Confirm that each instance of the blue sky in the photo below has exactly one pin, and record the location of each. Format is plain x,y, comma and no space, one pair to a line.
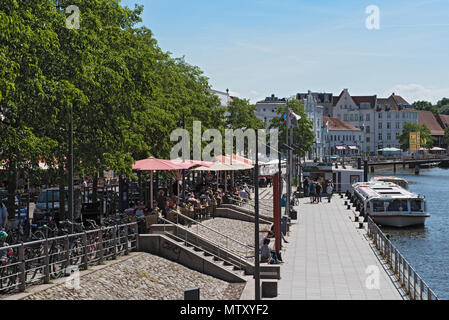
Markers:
259,47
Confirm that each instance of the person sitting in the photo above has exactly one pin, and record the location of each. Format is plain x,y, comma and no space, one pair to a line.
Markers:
162,202
205,196
244,195
265,251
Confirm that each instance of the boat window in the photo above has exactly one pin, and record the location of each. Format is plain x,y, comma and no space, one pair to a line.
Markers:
398,205
416,205
378,206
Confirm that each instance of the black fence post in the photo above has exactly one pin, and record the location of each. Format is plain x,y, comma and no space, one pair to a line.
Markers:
46,263
22,277
67,253
85,257
100,244
126,241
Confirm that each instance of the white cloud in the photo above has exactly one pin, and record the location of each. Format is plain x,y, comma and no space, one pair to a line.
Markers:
414,92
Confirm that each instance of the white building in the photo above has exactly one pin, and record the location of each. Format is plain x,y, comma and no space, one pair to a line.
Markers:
342,138
224,97
266,109
314,113
381,120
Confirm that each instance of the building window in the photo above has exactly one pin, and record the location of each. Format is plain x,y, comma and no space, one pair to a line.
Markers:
397,115
345,117
380,137
380,125
368,117
367,139
388,115
380,115
397,125
388,136
361,117
388,125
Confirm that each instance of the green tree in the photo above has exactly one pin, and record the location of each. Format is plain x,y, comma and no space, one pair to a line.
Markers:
426,139
241,114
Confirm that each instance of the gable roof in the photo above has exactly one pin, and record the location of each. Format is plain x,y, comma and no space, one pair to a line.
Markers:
427,118
443,120
338,124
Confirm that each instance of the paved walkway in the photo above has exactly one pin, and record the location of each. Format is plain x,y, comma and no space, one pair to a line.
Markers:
327,258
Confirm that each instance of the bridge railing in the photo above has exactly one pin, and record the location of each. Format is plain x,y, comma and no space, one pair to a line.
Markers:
411,281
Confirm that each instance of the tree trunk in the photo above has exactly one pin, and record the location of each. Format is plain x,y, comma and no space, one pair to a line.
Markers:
95,188
12,189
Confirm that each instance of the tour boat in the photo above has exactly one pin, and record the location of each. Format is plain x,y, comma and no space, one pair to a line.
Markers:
389,204
399,181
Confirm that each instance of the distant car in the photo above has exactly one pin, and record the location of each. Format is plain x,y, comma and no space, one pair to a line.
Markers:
23,211
48,200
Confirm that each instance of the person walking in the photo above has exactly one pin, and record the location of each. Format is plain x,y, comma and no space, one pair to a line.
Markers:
306,187
3,215
312,191
329,191
318,192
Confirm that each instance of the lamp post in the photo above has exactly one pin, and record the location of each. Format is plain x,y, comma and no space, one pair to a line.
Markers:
256,218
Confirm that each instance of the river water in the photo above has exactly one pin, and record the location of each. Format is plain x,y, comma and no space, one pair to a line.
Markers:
427,248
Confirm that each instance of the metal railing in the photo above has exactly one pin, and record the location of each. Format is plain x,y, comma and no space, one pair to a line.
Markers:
414,285
41,260
227,239
243,251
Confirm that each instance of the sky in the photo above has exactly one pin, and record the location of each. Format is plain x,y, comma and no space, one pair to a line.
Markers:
256,48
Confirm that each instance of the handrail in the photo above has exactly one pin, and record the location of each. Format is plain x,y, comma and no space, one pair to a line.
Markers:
221,234
239,263
398,262
53,256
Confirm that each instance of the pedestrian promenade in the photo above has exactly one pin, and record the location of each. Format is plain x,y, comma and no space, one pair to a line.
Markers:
327,258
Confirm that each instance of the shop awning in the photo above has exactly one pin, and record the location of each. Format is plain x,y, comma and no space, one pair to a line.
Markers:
340,148
352,147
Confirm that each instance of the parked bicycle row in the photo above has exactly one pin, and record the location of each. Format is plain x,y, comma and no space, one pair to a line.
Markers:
50,258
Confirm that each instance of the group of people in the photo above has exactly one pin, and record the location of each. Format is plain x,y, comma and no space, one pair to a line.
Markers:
316,189
267,253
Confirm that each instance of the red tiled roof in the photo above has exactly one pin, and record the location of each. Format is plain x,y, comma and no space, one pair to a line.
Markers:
338,124
427,118
394,101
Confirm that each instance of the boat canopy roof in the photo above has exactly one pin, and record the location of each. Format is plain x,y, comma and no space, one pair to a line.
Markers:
383,191
390,178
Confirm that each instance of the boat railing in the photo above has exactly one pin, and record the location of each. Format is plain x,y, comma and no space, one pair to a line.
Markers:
411,281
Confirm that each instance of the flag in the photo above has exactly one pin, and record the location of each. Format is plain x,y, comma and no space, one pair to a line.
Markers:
294,119
326,127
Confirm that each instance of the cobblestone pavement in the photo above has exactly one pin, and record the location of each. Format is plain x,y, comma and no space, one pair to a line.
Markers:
142,277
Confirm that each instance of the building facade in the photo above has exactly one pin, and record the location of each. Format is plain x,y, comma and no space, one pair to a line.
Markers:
342,138
381,120
266,109
323,99
314,113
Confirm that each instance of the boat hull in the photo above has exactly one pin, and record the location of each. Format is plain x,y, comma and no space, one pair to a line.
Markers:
400,221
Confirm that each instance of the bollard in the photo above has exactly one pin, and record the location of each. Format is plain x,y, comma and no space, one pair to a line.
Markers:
192,294
346,203
356,219
360,225
349,207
